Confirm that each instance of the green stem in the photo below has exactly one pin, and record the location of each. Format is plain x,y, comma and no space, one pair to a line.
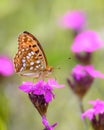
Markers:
82,110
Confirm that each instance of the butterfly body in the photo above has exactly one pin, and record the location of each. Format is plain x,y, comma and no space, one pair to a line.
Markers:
30,59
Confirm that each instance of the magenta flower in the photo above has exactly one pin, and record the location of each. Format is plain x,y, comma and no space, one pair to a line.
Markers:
47,125
80,71
40,93
83,77
72,20
98,108
95,114
87,41
41,88
6,66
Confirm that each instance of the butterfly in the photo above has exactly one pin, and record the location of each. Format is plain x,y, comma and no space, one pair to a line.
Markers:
30,60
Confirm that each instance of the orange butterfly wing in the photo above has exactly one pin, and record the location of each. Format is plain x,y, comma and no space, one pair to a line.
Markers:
30,58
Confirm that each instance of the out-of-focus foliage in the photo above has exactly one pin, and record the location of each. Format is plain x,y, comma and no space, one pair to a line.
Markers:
4,111
40,18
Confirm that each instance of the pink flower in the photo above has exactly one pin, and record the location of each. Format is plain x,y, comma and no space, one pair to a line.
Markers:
87,41
41,88
96,114
40,93
98,108
89,113
72,20
82,79
6,66
80,71
47,125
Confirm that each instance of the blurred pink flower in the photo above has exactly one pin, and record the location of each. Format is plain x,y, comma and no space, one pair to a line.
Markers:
41,88
47,125
80,71
6,66
72,20
87,41
98,108
98,105
82,79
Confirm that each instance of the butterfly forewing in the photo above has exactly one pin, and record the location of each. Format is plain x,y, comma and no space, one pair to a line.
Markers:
30,57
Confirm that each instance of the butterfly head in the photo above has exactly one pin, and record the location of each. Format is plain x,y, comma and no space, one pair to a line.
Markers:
49,69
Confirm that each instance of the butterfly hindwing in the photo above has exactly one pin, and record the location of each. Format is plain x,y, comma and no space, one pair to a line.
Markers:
30,60
30,55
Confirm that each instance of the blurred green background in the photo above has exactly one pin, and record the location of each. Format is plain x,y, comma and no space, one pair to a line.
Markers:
39,17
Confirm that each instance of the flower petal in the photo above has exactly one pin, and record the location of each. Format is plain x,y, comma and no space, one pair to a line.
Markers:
94,73
53,83
87,41
72,20
48,96
6,66
26,87
89,113
47,125
38,88
81,71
